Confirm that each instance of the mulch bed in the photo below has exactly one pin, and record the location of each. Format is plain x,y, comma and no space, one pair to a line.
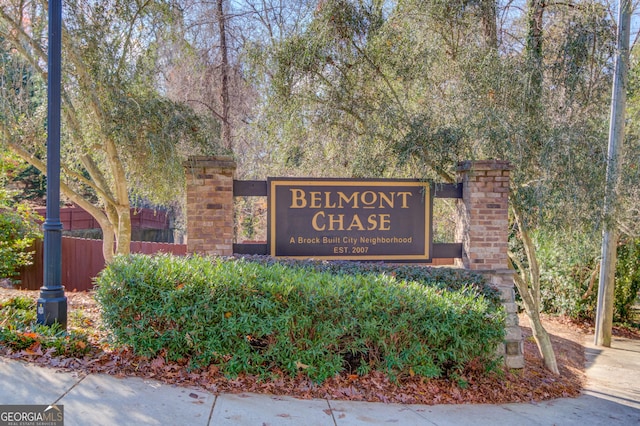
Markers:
532,383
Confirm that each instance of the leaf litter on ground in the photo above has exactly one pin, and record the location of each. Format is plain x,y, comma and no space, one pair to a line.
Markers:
531,384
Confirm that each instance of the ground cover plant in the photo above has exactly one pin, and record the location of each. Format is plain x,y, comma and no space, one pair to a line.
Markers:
19,331
246,317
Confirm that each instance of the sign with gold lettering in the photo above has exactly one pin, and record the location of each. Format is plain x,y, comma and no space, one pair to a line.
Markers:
363,219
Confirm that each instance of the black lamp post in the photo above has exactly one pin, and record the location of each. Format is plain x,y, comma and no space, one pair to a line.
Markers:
52,304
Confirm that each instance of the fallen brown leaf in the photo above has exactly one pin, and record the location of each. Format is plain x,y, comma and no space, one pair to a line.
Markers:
533,383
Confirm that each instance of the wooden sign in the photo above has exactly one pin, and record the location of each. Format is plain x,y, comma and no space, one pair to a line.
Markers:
350,219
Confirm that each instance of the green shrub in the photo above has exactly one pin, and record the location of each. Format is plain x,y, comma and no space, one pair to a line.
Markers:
451,279
250,317
569,275
627,279
18,230
19,331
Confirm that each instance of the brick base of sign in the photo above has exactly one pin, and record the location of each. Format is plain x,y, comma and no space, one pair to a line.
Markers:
210,227
483,214
512,350
482,227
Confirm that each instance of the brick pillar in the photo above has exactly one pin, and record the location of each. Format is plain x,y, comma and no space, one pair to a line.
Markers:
210,205
483,214
483,229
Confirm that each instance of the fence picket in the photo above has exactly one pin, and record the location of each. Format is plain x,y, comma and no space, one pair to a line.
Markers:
82,261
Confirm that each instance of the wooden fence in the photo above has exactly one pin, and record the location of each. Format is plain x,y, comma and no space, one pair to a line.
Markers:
82,260
74,218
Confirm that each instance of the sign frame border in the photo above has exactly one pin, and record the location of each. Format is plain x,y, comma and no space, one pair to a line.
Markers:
274,182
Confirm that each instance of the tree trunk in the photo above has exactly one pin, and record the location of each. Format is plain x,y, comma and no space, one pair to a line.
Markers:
123,233
543,341
606,290
535,11
489,26
528,279
107,218
224,70
539,332
528,284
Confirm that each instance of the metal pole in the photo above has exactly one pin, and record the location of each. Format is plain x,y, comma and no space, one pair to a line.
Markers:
52,304
606,294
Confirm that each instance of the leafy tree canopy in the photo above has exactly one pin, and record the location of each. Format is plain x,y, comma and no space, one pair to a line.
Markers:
122,139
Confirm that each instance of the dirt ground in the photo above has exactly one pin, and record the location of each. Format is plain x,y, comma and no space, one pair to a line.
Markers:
533,383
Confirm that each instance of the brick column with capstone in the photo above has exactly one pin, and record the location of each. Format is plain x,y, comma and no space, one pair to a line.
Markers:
210,204
483,228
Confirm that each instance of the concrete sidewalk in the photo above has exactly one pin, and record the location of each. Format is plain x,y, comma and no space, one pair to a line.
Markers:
612,397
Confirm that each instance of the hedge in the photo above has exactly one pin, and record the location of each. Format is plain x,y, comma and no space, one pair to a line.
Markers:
250,317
